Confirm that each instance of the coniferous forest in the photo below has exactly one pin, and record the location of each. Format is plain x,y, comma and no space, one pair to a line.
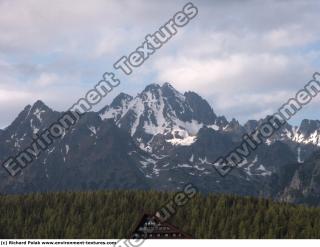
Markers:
114,214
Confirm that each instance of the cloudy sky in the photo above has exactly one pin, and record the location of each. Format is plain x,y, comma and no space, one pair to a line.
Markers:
245,57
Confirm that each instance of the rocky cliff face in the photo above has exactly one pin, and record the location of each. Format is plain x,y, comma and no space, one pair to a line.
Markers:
305,184
161,139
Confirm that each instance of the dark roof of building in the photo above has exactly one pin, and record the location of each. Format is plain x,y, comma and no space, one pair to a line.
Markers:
150,226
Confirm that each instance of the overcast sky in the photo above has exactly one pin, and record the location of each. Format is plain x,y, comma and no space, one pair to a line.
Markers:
246,57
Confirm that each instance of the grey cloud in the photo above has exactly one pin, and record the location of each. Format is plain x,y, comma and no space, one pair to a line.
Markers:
255,48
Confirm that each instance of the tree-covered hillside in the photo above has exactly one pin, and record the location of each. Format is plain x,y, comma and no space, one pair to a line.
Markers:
114,214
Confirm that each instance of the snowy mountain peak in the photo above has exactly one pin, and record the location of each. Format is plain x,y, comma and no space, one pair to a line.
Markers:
151,88
38,110
307,133
161,110
167,84
121,100
308,127
39,104
32,113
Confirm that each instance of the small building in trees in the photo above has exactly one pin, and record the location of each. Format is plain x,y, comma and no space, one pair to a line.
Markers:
151,227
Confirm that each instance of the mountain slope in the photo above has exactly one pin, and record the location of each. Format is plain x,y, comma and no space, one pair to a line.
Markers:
160,139
91,155
162,112
305,184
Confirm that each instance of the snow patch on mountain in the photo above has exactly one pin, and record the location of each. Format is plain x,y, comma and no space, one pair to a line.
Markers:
38,112
93,130
161,110
299,160
35,130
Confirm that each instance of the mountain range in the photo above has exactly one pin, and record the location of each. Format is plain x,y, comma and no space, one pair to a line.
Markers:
162,139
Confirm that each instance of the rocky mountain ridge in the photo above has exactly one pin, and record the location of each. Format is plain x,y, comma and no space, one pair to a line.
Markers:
159,139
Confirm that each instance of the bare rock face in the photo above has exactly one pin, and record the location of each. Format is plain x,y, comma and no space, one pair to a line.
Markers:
305,184
162,139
